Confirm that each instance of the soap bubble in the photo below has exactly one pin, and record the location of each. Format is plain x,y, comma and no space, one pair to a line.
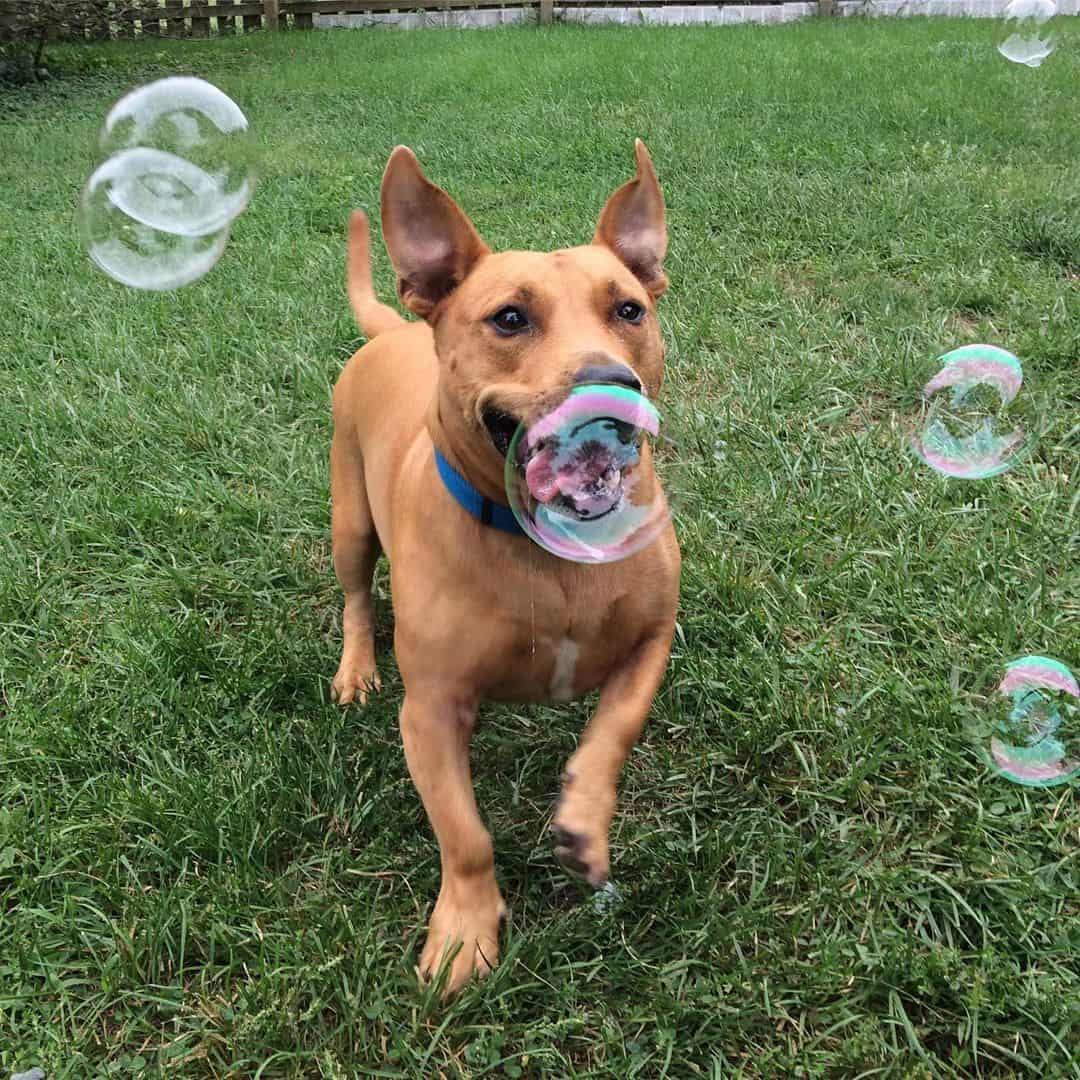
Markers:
178,170
970,425
132,250
167,192
1031,734
606,899
579,478
189,121
1029,40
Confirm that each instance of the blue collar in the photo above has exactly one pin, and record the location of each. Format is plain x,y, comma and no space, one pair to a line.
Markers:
479,506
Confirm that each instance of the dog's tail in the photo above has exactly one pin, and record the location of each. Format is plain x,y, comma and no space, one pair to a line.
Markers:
372,317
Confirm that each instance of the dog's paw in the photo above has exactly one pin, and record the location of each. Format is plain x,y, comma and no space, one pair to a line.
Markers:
580,832
353,682
463,933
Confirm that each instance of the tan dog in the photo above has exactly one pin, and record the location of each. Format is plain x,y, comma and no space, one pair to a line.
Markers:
481,614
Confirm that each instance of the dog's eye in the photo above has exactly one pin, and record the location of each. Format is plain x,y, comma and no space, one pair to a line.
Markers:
630,311
510,320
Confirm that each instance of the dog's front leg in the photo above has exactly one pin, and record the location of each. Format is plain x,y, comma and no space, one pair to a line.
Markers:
587,802
436,734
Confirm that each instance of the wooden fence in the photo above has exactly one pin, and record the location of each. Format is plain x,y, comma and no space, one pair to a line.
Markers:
97,19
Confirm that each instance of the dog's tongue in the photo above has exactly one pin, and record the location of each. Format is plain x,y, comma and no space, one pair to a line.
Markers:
590,477
541,477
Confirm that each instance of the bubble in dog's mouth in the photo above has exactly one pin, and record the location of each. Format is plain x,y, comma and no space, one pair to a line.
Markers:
574,475
583,477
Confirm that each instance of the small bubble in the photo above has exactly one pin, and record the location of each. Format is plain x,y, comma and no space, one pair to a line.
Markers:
1030,40
971,426
1031,733
606,898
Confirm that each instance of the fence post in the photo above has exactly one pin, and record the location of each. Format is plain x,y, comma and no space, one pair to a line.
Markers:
174,21
546,11
270,10
200,18
825,7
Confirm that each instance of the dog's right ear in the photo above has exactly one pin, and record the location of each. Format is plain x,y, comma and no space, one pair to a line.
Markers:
431,242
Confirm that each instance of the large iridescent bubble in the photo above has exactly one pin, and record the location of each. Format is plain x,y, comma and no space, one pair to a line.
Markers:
579,478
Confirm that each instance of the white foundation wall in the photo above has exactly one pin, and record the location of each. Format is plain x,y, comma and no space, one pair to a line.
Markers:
670,15
687,16
673,15
978,9
461,19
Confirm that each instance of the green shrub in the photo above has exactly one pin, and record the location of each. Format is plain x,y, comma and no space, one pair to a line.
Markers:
27,26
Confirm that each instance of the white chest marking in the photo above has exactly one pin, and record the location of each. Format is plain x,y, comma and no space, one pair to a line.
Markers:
562,678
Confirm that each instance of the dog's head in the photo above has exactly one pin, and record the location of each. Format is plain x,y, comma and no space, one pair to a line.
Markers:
515,331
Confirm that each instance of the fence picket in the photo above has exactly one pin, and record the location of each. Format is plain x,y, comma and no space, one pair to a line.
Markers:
200,18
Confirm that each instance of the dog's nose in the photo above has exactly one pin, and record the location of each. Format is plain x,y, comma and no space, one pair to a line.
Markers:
608,373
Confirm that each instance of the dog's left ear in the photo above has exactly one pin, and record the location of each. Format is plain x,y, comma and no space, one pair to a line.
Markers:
632,225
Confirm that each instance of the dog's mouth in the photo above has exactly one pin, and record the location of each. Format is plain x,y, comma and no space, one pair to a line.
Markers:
500,426
587,477
582,468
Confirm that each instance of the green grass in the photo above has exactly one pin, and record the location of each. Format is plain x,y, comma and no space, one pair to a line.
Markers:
208,870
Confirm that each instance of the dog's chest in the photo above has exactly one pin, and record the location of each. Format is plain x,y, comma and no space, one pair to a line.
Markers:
561,651
564,670
549,668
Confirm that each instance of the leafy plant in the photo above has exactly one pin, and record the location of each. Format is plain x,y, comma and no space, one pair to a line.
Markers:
27,27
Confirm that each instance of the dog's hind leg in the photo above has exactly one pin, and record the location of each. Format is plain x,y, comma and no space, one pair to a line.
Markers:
356,550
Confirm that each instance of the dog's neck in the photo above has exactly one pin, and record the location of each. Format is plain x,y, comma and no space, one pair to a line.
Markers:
468,451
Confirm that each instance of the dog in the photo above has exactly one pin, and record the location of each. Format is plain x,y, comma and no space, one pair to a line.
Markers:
423,415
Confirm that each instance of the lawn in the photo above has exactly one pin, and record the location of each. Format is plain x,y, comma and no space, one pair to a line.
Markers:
209,870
